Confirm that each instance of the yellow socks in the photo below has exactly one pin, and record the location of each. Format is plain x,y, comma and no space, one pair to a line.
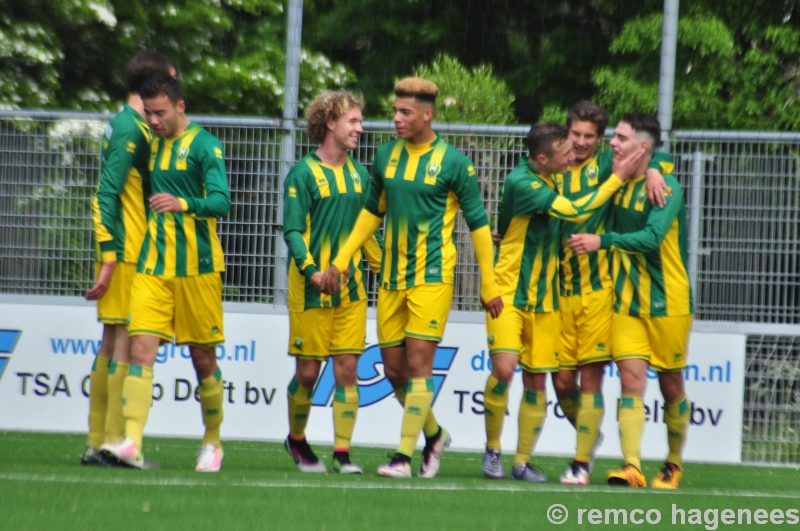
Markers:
570,407
115,423
531,417
419,395
98,401
299,408
590,416
211,403
495,399
431,427
137,397
345,411
677,417
631,428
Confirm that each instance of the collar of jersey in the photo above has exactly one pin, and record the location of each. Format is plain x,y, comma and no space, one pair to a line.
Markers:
577,169
319,161
535,173
421,149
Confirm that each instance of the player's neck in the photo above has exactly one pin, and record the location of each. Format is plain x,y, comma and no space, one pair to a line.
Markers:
331,154
183,123
135,102
425,136
540,169
642,169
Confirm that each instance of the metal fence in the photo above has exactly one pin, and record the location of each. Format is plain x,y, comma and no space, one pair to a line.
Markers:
742,191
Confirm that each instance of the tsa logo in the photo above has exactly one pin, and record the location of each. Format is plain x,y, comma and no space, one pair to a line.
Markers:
373,384
8,340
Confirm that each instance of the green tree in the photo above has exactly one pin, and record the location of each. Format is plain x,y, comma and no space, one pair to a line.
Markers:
465,95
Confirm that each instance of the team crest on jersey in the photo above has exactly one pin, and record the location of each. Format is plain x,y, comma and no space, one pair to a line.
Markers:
356,178
432,170
183,152
591,174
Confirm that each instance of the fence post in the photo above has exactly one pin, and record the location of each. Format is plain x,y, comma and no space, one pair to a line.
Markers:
291,97
666,82
695,219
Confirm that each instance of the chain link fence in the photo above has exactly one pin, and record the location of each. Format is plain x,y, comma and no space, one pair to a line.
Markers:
742,191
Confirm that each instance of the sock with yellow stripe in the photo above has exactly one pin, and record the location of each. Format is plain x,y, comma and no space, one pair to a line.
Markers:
211,389
590,416
677,417
115,423
345,412
419,395
299,408
631,428
495,400
98,401
137,397
531,417
570,407
431,427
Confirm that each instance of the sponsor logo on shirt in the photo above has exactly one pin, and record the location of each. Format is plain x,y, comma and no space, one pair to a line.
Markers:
218,152
292,191
536,185
471,170
130,147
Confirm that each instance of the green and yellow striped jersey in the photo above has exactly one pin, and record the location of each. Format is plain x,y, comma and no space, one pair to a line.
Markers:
321,205
190,167
649,251
591,272
119,206
529,222
419,189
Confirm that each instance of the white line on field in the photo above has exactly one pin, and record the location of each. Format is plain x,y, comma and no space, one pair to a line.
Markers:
482,486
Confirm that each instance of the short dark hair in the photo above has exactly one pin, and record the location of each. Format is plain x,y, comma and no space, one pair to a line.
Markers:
145,65
162,83
643,122
587,111
542,136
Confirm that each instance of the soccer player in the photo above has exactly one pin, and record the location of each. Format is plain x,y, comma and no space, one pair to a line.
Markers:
419,182
653,303
177,289
527,334
586,298
119,209
323,197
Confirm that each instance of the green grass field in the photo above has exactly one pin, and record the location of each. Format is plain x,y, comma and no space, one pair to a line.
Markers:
43,487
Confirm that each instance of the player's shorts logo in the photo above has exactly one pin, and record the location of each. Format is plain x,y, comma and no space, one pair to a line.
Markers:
372,382
183,153
298,342
8,340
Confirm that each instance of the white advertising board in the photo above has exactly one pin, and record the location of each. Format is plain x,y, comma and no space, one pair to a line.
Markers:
46,353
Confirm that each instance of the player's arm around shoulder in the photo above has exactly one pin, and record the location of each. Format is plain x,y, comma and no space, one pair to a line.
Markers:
217,200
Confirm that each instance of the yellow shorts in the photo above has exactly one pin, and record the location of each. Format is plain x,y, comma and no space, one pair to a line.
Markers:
662,341
113,307
534,336
586,328
419,312
188,309
317,333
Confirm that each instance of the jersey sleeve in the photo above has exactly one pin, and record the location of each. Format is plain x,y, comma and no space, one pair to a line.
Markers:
581,209
296,206
217,200
662,162
373,249
465,186
659,222
375,201
118,158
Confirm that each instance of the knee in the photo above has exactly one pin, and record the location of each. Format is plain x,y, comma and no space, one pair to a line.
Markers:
564,384
503,372
672,388
306,376
632,383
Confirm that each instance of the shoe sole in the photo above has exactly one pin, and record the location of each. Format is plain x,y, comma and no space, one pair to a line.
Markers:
393,475
447,442
620,482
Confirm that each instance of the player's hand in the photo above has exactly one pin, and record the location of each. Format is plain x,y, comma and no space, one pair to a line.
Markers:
627,167
164,202
316,281
496,238
330,280
494,307
584,243
657,189
103,282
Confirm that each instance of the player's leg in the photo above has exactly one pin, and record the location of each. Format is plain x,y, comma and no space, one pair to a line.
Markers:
541,337
152,313
670,337
347,344
117,371
310,343
593,330
504,337
98,398
199,324
565,381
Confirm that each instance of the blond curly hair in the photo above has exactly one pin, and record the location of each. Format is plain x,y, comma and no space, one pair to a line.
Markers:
329,106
